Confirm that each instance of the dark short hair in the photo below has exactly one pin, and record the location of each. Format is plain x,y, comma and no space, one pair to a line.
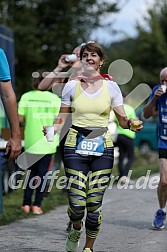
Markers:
36,80
92,47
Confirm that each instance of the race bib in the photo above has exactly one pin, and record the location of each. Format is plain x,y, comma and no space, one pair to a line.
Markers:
93,146
163,131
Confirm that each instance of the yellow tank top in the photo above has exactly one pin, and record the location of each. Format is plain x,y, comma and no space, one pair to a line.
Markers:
90,112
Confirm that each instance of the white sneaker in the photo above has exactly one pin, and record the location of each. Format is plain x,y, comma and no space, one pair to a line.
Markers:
72,241
87,250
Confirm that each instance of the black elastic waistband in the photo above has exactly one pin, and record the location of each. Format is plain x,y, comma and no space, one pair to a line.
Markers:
91,131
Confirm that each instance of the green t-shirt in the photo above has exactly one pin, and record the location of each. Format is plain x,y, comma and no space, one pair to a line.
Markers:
39,109
2,117
130,112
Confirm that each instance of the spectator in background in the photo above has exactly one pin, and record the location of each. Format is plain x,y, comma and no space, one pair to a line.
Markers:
9,101
57,76
37,108
158,103
56,81
125,143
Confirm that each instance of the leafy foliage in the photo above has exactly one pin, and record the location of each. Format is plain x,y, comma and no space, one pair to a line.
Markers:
45,29
151,43
147,52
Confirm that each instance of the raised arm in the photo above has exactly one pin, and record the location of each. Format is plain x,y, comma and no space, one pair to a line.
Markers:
150,108
55,77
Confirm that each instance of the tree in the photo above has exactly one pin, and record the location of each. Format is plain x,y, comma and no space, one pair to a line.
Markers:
151,43
147,52
44,29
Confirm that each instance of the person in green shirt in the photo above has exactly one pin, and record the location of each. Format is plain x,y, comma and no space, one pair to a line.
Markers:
125,143
36,109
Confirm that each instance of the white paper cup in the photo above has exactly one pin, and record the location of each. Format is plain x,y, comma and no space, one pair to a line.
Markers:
71,58
163,88
50,133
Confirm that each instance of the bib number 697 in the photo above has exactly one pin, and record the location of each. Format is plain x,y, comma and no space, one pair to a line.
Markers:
89,145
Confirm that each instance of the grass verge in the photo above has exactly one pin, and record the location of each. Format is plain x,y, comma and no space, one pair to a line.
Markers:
12,204
145,164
